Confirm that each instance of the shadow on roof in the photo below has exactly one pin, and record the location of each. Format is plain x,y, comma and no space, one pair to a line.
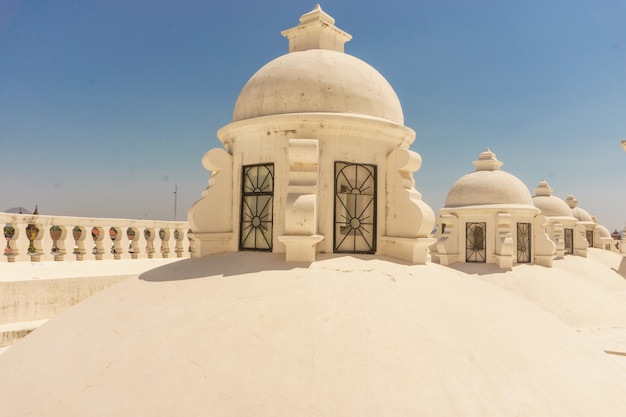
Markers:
224,264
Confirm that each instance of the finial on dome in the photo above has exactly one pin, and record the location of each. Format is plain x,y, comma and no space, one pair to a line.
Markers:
571,201
487,161
316,30
317,14
543,189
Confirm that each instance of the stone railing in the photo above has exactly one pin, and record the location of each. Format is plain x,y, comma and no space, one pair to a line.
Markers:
36,238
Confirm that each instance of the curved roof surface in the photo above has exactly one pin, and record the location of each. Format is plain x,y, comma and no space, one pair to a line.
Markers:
246,334
318,80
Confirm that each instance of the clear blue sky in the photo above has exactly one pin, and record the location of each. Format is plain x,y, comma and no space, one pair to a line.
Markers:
106,105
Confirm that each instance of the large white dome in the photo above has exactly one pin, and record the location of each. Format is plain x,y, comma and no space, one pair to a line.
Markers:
318,80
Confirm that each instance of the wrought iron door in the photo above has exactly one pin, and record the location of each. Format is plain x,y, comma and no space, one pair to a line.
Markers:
257,198
355,208
589,235
475,242
569,241
524,231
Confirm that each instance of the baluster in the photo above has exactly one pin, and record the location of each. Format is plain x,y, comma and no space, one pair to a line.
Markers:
35,235
191,242
68,242
58,234
179,235
149,236
79,234
97,234
134,235
164,235
117,236
12,235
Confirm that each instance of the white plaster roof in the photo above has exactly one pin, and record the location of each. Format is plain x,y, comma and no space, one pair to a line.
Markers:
488,185
318,80
549,204
248,334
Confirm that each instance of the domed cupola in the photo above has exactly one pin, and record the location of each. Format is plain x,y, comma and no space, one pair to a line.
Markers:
489,217
317,76
578,212
550,205
488,185
316,160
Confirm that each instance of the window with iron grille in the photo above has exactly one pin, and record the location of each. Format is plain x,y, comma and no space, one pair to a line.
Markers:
569,241
523,242
257,199
475,242
589,235
355,208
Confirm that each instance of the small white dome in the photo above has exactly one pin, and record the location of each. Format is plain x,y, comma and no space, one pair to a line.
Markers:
318,80
550,205
603,231
488,185
581,214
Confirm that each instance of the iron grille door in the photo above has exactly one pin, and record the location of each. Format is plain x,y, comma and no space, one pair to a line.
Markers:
475,239
569,241
257,198
523,242
589,235
355,208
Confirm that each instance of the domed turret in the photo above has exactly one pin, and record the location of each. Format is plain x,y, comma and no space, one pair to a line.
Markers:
489,217
550,205
320,153
488,185
578,212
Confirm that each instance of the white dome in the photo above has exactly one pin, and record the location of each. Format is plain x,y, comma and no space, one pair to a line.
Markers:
488,185
603,231
550,205
318,80
579,213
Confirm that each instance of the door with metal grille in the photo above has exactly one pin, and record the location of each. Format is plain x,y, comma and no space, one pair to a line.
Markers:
569,241
523,242
589,234
257,199
475,242
355,208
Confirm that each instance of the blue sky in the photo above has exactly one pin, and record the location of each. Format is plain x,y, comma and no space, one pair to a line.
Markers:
105,106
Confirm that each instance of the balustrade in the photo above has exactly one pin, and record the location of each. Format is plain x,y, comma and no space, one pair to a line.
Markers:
37,238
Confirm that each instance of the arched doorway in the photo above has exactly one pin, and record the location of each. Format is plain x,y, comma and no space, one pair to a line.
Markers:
257,200
523,242
355,208
475,239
